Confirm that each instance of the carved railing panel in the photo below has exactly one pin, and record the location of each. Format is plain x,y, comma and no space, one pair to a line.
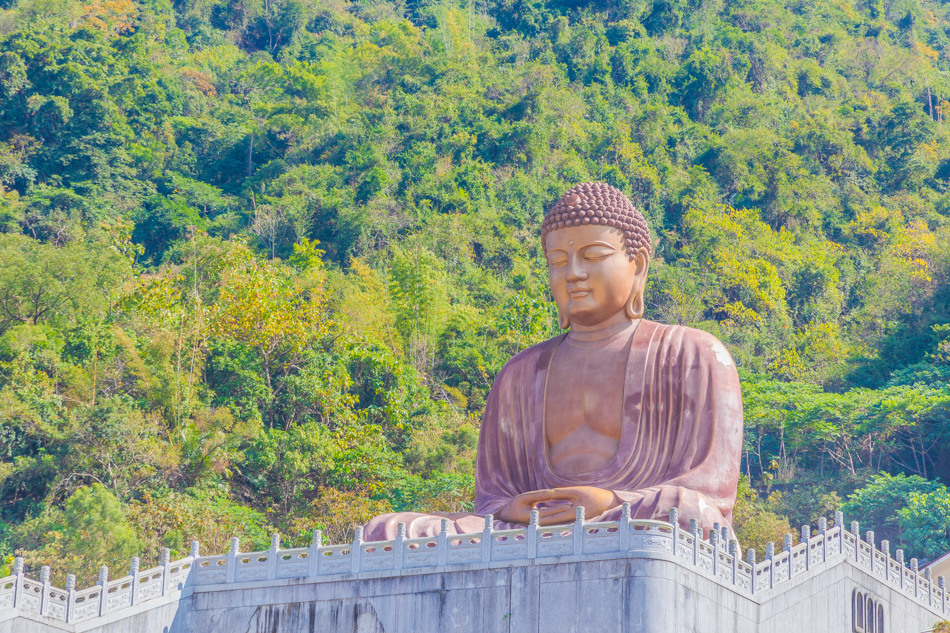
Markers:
655,535
57,601
464,549
31,595
555,541
602,537
119,594
150,584
510,545
211,570
86,604
7,591
293,563
335,559
251,566
377,557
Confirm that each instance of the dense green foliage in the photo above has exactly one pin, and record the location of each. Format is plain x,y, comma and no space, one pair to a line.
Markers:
260,261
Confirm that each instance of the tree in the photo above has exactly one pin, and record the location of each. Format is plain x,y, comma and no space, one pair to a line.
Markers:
882,503
418,291
926,523
42,283
91,530
260,305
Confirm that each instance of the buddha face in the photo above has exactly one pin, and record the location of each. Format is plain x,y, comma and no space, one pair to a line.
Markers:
594,282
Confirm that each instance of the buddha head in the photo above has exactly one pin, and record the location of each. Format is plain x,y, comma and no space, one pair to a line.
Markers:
598,249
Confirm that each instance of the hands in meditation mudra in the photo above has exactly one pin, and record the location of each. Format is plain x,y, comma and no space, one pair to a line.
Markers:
618,409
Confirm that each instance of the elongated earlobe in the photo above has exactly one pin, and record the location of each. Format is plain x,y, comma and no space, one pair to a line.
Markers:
562,319
635,306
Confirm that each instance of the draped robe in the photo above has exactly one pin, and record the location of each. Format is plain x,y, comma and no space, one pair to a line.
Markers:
680,443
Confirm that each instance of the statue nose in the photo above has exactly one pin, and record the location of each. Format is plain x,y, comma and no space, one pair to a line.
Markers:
575,272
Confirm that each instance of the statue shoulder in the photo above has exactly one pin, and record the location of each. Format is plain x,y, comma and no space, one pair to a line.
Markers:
530,359
691,340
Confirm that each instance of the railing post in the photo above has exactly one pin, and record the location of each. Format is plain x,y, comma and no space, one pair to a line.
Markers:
750,558
71,600
356,551
442,551
164,560
578,531
899,555
674,520
193,570
399,546
806,538
272,556
823,530
714,536
104,583
734,553
624,528
18,581
134,572
531,536
886,550
787,547
44,597
313,554
839,523
697,535
770,556
234,552
487,538
856,531
913,568
930,585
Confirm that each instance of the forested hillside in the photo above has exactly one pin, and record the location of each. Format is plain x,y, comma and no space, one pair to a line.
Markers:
260,260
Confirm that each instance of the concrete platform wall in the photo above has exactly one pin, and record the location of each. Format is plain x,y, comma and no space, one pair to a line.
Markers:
623,577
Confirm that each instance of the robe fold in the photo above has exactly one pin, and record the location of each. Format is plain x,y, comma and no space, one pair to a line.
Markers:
680,444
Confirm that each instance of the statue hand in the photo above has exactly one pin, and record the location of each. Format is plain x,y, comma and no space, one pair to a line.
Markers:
558,505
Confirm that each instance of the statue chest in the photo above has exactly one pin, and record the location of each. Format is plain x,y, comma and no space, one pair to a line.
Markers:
583,418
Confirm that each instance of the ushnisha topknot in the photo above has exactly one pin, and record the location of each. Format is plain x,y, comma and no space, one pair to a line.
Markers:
599,203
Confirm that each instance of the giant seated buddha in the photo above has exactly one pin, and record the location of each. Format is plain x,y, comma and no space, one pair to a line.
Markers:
618,409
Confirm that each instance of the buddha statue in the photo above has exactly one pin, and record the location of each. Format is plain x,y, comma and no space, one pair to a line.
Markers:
618,409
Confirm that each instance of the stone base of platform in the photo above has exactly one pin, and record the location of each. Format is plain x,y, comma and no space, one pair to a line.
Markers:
630,595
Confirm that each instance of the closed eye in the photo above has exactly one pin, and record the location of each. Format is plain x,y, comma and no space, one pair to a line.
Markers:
556,259
598,253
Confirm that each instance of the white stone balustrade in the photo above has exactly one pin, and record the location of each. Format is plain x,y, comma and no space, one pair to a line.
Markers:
715,557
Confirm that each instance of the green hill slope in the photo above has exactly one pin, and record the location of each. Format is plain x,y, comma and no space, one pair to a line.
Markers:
262,260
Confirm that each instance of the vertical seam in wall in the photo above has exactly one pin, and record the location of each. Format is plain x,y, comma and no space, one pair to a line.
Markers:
536,569
511,586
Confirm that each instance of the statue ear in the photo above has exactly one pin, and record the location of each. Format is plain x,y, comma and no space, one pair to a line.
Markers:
635,304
